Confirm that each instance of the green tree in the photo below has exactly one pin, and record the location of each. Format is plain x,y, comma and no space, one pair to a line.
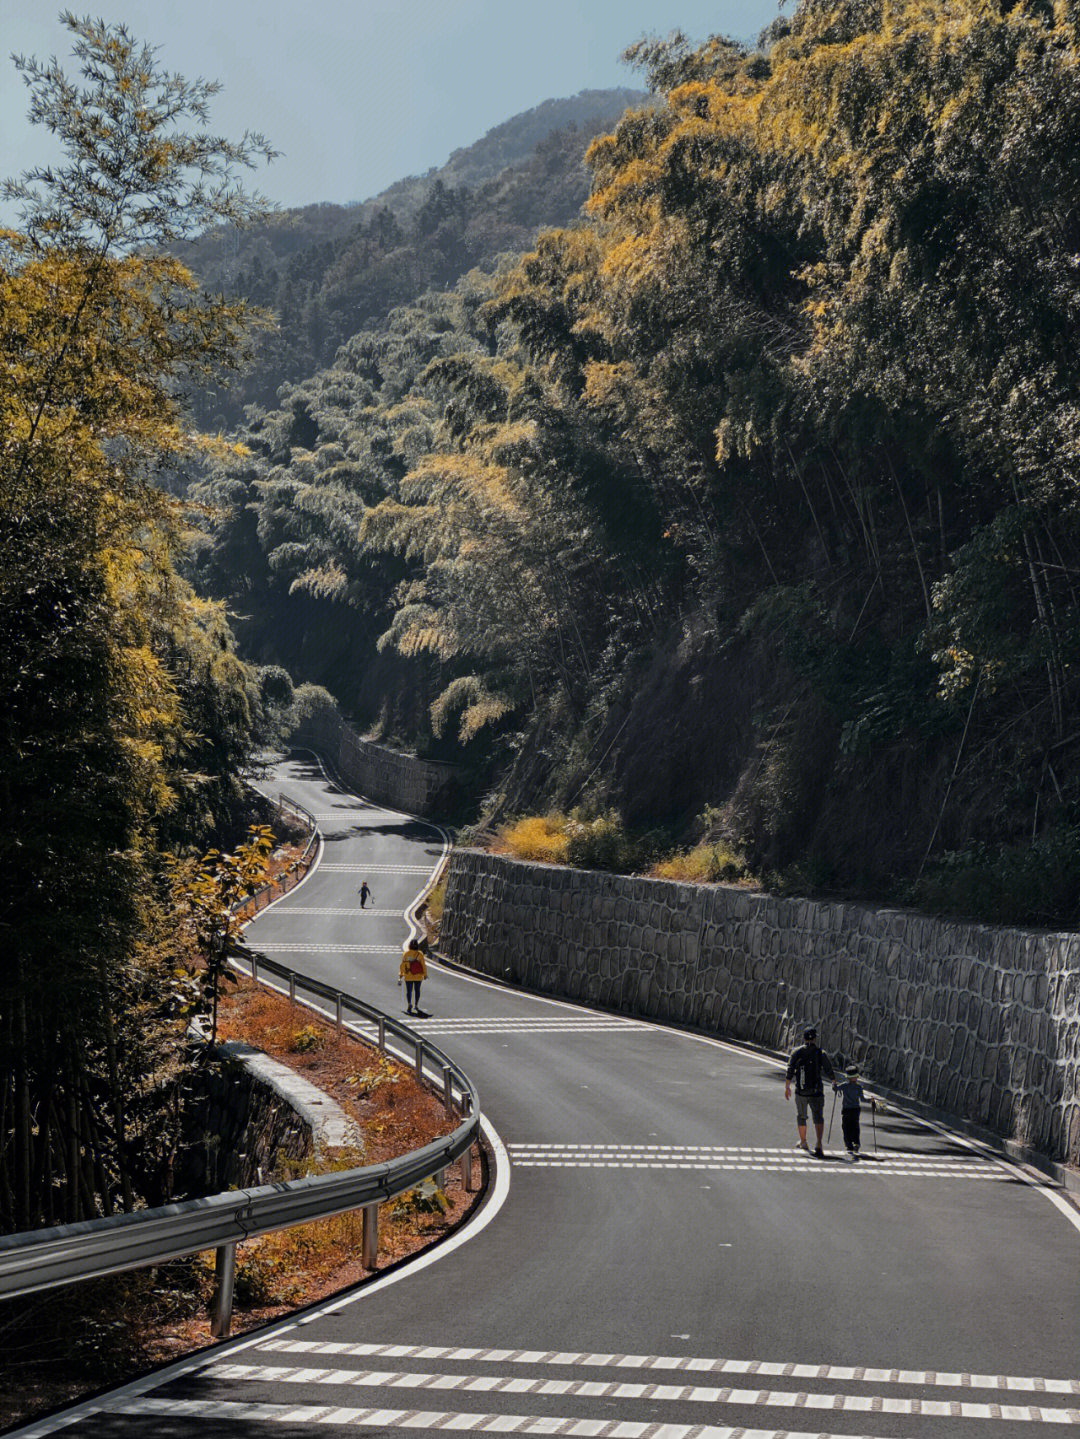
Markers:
101,641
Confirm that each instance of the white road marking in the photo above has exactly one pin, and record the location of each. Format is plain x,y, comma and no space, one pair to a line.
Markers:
273,947
542,1026
764,1166
770,1369
380,868
521,1021
440,1419
622,1389
572,1150
331,909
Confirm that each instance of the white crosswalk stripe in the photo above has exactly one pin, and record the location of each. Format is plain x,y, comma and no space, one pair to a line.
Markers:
326,867
658,1393
343,1415
530,1026
769,1369
709,1158
291,909
630,1403
274,947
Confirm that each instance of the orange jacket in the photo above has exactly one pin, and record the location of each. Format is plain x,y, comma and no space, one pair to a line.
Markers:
412,965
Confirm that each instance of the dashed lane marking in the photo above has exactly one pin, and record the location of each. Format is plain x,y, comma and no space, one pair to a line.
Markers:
529,1026
273,947
441,1419
379,868
766,1166
703,1157
331,909
572,1149
768,1369
659,1393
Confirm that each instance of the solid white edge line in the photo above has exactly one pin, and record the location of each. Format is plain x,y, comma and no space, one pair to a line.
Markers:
148,1382
473,1226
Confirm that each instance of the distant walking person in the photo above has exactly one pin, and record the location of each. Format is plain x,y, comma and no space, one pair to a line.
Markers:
852,1098
806,1067
365,895
413,971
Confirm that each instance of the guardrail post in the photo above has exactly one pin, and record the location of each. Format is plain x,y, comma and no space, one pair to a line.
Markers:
292,986
448,1091
370,1245
339,1015
466,1171
382,1032
224,1282
440,1179
254,970
419,1059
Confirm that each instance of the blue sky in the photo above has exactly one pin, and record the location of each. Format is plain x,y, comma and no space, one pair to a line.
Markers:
359,95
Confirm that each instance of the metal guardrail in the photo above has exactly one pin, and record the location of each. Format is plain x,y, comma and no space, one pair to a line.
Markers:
44,1258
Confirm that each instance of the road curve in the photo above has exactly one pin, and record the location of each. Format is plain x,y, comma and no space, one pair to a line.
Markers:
664,1263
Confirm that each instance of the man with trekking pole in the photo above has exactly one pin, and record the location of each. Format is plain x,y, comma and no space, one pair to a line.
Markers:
806,1067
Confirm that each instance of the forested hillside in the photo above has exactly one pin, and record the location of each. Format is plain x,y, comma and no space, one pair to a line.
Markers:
754,493
329,270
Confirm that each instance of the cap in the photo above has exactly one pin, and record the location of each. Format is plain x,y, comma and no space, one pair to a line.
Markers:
810,1033
852,1070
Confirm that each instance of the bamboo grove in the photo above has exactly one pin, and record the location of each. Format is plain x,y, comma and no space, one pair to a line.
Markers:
752,490
126,713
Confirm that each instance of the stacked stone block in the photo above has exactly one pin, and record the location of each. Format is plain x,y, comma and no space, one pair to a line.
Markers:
400,781
983,1023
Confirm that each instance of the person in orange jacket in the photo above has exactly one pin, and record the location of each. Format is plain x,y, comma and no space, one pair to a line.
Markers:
413,972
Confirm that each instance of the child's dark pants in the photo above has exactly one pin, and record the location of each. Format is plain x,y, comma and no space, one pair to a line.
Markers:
412,1000
849,1118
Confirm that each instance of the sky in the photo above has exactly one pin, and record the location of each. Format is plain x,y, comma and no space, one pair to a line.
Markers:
358,95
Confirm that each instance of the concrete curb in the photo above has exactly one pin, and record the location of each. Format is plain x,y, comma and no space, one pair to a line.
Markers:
331,1127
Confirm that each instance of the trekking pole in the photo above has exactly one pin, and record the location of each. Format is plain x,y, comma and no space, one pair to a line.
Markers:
832,1116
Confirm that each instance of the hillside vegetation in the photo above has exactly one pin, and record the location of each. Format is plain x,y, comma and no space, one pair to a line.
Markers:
327,271
127,714
754,493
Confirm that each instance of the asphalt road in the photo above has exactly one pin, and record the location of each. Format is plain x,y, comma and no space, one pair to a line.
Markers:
656,1261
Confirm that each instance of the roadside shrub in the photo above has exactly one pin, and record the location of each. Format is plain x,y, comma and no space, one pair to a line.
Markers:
704,864
537,837
306,1039
1024,884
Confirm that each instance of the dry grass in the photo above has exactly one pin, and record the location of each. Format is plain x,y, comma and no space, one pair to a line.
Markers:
542,838
62,1344
705,864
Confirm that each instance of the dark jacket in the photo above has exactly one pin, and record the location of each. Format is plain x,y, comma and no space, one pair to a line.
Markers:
806,1067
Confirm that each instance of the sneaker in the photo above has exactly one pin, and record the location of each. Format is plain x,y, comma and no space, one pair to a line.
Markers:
802,1144
819,1153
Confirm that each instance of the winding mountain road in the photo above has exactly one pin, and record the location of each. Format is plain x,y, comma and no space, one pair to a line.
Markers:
655,1260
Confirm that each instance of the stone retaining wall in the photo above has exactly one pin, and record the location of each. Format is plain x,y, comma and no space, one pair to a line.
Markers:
247,1115
980,1022
384,775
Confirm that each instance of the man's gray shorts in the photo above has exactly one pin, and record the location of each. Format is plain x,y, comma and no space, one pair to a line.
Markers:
816,1103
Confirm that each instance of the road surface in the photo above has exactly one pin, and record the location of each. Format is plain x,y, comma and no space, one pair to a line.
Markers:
656,1260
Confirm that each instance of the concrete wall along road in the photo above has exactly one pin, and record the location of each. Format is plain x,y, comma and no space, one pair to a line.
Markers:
979,1022
386,776
246,1114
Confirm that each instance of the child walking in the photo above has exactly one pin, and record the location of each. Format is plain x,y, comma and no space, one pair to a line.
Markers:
852,1098
413,971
